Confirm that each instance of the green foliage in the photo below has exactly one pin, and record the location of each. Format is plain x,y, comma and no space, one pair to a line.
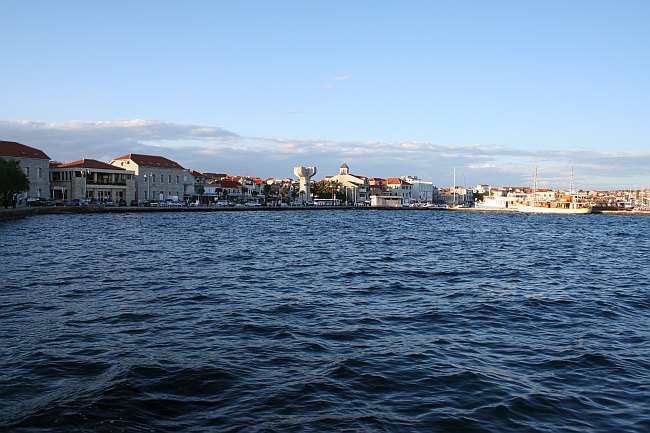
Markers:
266,189
327,189
12,178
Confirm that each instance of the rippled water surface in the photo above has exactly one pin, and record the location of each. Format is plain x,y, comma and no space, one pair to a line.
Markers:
310,321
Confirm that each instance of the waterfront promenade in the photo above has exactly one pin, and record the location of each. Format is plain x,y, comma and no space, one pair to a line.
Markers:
24,211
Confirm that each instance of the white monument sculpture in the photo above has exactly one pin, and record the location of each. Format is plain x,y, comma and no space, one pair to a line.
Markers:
305,174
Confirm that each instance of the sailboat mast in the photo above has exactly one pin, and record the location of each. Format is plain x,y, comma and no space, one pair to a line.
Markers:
535,187
454,185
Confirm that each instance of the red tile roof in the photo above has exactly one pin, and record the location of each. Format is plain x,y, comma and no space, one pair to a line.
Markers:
17,150
209,175
227,183
151,161
88,163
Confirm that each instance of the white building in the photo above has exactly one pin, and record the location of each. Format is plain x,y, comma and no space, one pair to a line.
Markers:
401,188
482,189
355,187
386,201
421,191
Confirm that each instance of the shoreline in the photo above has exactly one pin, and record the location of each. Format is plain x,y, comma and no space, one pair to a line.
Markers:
21,212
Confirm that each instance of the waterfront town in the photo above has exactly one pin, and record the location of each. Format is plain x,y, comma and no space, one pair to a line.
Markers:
156,181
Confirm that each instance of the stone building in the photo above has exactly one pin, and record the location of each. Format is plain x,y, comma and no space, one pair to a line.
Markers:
156,177
89,178
34,162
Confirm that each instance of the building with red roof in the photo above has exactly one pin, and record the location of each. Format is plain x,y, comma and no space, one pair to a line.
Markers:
34,162
156,177
92,179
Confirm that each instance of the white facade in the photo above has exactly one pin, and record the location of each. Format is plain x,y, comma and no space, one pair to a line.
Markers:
421,191
400,188
386,201
355,187
482,189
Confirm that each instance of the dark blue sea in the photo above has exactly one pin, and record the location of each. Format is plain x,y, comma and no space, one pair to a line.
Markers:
325,321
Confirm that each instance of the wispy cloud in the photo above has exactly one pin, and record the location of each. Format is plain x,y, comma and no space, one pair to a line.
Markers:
342,78
210,148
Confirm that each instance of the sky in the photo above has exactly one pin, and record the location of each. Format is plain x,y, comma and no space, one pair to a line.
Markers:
392,88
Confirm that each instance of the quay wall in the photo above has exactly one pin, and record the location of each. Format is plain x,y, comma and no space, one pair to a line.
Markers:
21,212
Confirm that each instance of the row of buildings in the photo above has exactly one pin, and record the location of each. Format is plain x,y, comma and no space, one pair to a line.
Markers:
144,178
137,178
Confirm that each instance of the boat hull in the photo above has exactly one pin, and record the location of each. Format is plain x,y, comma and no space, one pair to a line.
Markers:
553,210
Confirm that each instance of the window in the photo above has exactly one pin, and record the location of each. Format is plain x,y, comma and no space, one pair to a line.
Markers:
27,171
162,178
178,178
145,196
40,172
153,178
169,179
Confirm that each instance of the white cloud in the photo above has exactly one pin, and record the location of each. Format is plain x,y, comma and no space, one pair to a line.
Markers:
209,148
342,78
480,166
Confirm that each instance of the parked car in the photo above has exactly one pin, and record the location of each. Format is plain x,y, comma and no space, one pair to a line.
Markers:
174,203
121,203
135,202
38,201
223,203
253,204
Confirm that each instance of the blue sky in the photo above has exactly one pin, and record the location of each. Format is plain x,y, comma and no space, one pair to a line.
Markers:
392,88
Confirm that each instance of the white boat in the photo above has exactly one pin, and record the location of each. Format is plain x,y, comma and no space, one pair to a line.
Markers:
499,202
556,207
564,204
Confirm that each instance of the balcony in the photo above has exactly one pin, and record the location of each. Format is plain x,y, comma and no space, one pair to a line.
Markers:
106,183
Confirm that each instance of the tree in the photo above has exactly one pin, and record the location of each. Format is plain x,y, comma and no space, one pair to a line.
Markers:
244,191
266,189
320,189
12,178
